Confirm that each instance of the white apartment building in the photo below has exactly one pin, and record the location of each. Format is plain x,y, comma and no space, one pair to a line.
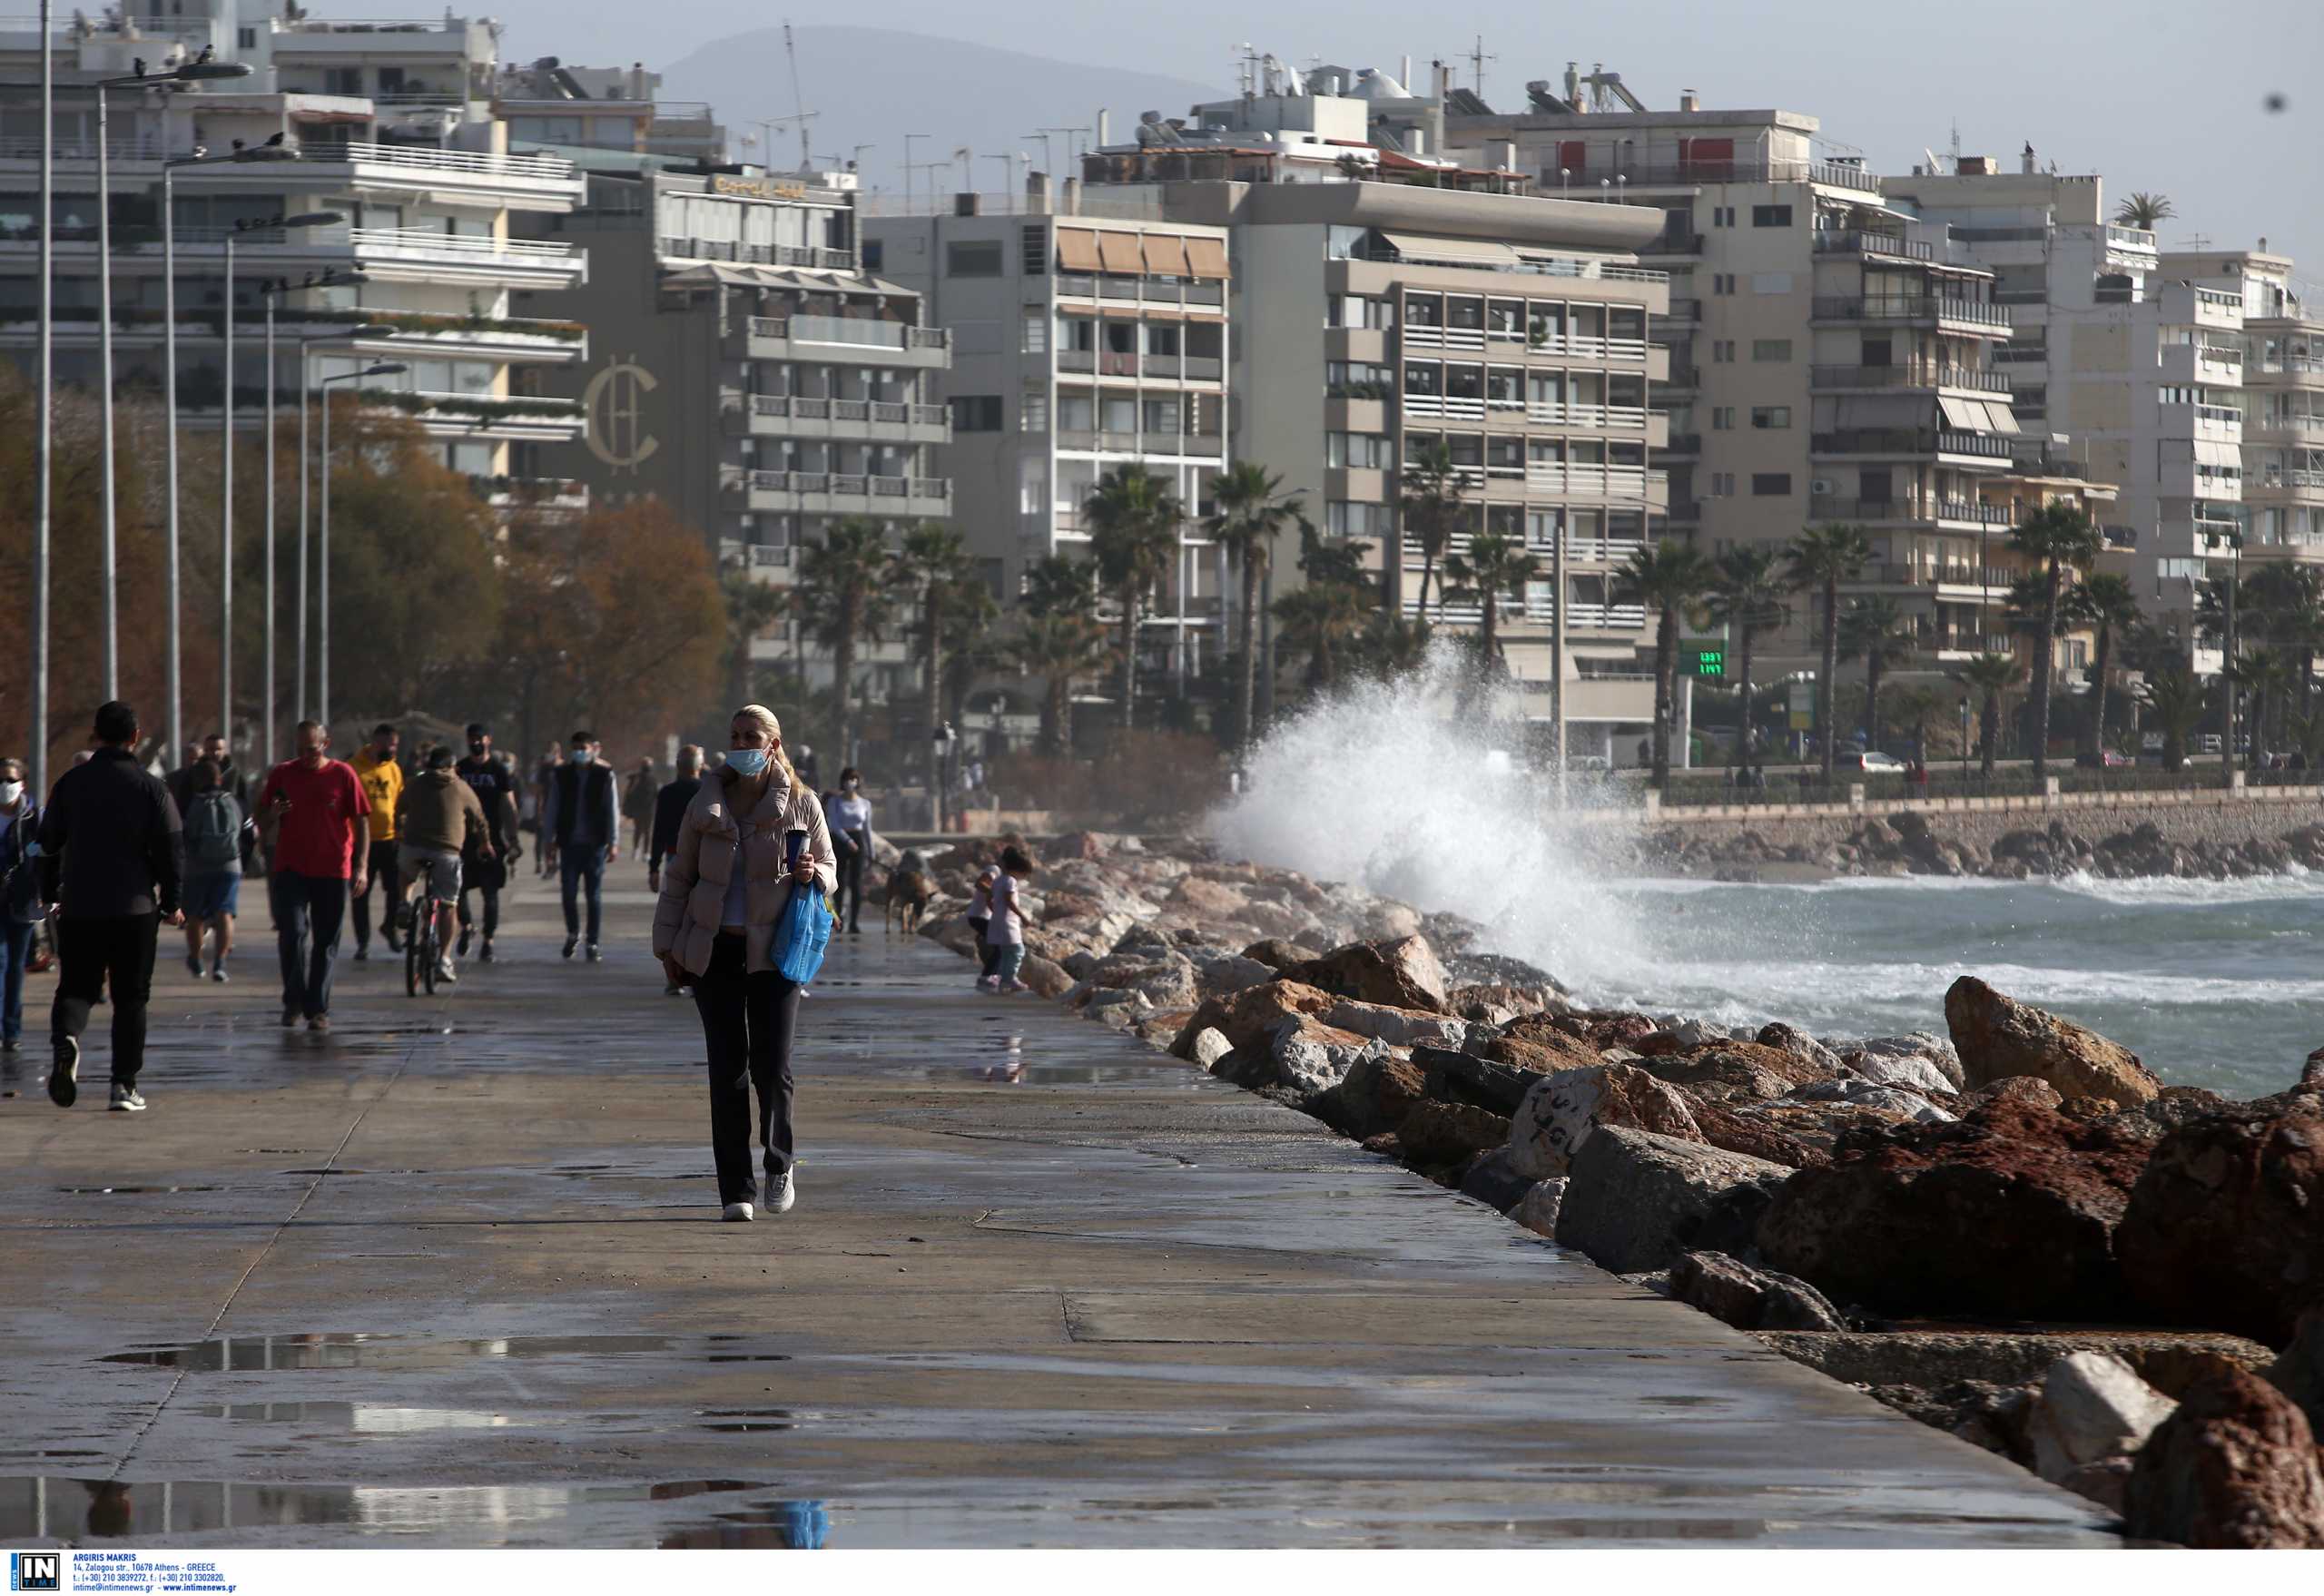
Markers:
2282,399
1829,361
385,124
552,108
1082,344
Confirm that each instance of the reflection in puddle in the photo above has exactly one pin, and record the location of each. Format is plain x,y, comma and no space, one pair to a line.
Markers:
744,1421
241,1353
361,1418
778,1526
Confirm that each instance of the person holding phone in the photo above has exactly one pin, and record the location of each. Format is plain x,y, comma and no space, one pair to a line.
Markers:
753,835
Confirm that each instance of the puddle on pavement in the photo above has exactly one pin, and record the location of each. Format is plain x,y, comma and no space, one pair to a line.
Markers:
131,1190
775,1526
252,1353
744,1421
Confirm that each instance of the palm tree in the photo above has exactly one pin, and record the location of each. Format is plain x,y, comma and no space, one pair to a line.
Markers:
1133,519
2286,604
1825,557
1253,511
971,647
2109,605
2057,535
934,559
2177,699
2269,673
1746,598
1883,634
751,608
1668,576
1494,567
1429,503
1059,647
1391,646
1989,676
841,596
1322,619
1059,585
2143,210
1916,709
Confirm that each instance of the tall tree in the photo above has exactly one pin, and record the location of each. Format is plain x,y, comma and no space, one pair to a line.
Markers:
1825,557
1253,511
1879,629
1322,618
2176,700
1059,647
1990,676
1494,568
752,607
2287,605
1430,508
843,596
1667,577
1916,709
933,560
971,645
2057,535
1059,585
2109,605
1133,519
1746,598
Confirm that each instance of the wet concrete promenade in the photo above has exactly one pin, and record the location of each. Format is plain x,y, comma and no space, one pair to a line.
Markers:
452,1275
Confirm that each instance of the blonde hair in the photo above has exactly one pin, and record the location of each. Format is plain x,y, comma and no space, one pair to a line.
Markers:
760,714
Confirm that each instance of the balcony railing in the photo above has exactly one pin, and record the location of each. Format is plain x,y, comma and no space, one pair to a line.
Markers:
1881,574
417,244
1908,441
1908,377
848,485
1907,307
426,158
1823,507
1600,163
1849,241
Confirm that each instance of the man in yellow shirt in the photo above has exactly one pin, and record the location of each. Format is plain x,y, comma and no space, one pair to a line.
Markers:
382,779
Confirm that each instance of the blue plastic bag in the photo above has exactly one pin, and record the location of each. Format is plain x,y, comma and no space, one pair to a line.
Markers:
803,933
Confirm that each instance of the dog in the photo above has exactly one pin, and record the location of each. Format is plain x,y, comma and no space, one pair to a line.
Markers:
909,890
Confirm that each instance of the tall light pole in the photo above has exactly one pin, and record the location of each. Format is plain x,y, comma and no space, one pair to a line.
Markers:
306,405
47,434
322,575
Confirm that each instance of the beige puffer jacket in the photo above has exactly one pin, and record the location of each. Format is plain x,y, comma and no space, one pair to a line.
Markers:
695,875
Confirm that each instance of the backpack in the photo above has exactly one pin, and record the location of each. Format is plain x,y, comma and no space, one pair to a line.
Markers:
213,841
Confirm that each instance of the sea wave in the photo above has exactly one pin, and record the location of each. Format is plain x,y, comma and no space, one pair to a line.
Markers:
1833,988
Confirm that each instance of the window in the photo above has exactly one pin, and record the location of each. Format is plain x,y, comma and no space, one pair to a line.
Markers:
1771,282
1771,216
1722,484
972,259
977,412
1770,484
1344,518
1771,348
246,38
875,254
1722,418
1771,417
1033,413
1722,351
1363,451
1722,283
1722,215
1036,334
1034,250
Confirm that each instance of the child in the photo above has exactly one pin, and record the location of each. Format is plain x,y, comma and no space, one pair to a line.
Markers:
1005,935
979,920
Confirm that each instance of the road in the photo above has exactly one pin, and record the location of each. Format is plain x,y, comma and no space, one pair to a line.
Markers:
451,1275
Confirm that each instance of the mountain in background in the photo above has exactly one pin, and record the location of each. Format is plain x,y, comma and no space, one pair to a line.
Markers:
872,86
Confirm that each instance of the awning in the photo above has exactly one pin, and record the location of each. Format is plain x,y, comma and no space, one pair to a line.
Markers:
1122,253
1208,317
1076,249
1964,415
2005,419
2226,455
1206,256
1166,255
1879,412
1454,251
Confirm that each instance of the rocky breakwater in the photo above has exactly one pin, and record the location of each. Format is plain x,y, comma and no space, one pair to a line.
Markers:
2012,1230
1909,843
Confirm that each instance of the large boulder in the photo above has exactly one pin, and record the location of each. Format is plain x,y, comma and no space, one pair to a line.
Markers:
2226,1226
1732,1070
1537,1210
1638,1200
2092,1406
2298,1374
1377,1093
1442,1134
1248,1018
1045,976
1277,955
1998,1036
1311,1056
1562,1110
1498,1003
1400,1028
1530,1045
1207,900
2235,1467
1735,1293
2009,1214
1401,974
1225,974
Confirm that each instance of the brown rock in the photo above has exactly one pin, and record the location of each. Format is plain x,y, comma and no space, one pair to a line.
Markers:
1499,1004
1376,1096
1402,974
2311,1075
1206,900
1551,1037
1610,1028
1753,1137
1438,1135
1277,955
1746,1071
1045,976
1997,1036
2028,1090
2009,1214
2235,1468
2226,1226
1249,1019
2298,1374
1541,1058
1564,1108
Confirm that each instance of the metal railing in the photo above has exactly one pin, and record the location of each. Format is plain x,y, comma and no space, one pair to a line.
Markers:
1886,574
418,157
419,244
1908,377
1907,307
1743,169
1849,241
1825,508
1901,441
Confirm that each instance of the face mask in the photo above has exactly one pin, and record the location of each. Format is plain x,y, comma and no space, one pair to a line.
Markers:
750,761
583,756
855,786
477,749
11,790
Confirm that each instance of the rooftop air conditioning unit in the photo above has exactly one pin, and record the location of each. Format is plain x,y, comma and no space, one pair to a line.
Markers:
1823,488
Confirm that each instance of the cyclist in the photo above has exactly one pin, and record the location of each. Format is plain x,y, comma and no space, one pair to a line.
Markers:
485,869
437,816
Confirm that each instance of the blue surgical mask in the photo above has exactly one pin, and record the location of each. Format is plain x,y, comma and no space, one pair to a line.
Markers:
583,756
750,761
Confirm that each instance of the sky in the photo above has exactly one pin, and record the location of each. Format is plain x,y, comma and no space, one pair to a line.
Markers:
2163,96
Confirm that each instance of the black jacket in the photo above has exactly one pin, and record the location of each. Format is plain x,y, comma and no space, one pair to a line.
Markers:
669,814
109,840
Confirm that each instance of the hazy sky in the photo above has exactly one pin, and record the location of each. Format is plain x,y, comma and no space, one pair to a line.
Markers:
2156,94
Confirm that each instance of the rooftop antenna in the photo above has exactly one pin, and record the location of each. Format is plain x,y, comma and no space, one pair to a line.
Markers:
799,102
1477,59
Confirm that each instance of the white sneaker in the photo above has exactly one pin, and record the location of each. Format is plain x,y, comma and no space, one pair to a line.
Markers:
781,1193
736,1213
445,972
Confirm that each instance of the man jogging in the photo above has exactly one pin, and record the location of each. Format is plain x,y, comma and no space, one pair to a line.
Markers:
669,814
109,854
375,766
581,832
486,869
323,836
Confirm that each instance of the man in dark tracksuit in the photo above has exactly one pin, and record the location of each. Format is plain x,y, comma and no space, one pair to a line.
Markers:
109,858
670,814
581,831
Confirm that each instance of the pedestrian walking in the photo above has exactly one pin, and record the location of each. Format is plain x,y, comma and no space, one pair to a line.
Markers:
1006,934
375,766
440,819
752,836
669,814
543,775
980,921
484,870
322,825
810,777
637,804
214,829
848,813
581,833
109,859
19,834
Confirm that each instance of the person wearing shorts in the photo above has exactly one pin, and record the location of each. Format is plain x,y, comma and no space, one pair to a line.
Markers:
437,816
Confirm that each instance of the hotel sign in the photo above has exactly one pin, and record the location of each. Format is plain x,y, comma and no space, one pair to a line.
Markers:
757,188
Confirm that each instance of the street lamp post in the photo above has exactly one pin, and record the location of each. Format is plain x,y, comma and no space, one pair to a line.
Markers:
47,433
322,570
306,404
1965,741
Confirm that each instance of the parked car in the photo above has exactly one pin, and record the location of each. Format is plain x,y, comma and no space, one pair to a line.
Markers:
2109,759
1870,763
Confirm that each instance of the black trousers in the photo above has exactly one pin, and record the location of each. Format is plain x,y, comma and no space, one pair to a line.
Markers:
387,885
987,955
88,951
849,899
748,1023
491,906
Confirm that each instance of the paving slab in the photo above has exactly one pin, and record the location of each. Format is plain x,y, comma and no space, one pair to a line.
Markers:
452,1275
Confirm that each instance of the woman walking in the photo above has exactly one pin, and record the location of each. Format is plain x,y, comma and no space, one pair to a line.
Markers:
753,835
19,824
849,813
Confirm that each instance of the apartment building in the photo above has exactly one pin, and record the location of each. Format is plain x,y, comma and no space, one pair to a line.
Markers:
1082,344
1384,297
2282,399
1829,361
382,125
2044,473
581,110
746,369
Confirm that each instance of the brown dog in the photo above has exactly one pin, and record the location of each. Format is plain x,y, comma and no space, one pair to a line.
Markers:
909,893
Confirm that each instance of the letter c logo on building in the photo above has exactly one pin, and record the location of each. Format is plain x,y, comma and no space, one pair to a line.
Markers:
615,403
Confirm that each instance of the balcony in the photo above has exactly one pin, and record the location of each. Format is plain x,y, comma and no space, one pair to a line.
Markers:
1600,162
1911,307
846,339
1902,512
1849,241
1986,578
1684,379
2287,486
2286,431
454,257
1683,443
1892,377
1683,310
1981,445
1578,551
1205,445
1624,484
842,493
2300,371
777,415
552,496
1533,611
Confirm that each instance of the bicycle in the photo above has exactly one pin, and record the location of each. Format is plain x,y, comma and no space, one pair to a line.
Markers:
423,946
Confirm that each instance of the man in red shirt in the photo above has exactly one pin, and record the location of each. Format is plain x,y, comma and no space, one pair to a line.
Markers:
319,815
